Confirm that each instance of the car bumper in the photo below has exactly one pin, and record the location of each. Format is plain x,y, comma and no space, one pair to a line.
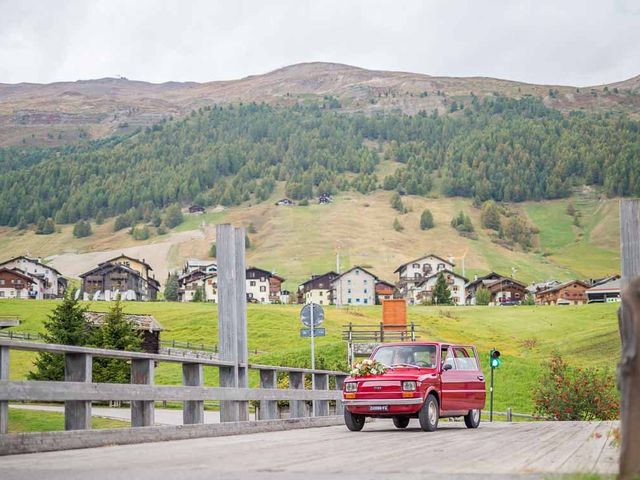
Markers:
383,401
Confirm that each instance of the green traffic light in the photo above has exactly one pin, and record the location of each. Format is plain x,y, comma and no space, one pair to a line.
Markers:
494,356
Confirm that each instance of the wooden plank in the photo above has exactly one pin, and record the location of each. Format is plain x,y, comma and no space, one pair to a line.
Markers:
240,298
321,407
192,411
268,408
67,391
339,383
77,413
100,352
629,239
142,411
4,376
296,407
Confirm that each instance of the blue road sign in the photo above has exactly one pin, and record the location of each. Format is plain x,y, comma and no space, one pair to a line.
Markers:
318,332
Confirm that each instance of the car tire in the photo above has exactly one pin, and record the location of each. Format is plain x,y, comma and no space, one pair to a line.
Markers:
429,414
353,421
401,421
472,419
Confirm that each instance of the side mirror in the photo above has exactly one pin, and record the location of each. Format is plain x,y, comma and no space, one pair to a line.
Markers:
447,366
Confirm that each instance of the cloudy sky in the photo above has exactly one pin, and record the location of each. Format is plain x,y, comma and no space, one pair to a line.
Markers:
574,42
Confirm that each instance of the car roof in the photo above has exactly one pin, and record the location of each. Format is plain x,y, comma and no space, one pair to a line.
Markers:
441,344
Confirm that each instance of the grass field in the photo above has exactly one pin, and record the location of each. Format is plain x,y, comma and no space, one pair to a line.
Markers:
35,421
298,241
586,335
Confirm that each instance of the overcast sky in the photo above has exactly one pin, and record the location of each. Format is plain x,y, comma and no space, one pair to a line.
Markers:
581,42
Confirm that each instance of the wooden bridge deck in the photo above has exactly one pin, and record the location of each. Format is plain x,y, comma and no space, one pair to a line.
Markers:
499,450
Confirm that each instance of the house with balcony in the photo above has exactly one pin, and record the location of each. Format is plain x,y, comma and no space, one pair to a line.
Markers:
263,286
14,283
501,289
191,282
47,281
413,272
317,289
568,293
122,276
355,287
423,291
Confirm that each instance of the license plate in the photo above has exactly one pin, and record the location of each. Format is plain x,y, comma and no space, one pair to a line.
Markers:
379,408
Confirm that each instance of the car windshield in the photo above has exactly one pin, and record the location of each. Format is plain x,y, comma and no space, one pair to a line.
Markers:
407,356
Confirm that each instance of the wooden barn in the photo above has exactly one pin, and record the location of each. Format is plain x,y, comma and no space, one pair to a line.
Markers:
146,324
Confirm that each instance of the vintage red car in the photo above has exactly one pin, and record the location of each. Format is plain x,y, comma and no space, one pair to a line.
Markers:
423,380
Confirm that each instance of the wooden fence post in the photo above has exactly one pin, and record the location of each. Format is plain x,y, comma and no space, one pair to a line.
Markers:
321,407
192,410
232,317
339,383
77,413
629,324
268,408
4,375
296,407
142,411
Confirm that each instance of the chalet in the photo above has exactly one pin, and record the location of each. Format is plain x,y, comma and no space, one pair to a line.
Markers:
317,289
190,283
538,287
568,293
193,264
263,286
384,291
501,289
197,209
423,291
122,276
147,325
285,202
410,273
604,292
356,286
48,282
14,283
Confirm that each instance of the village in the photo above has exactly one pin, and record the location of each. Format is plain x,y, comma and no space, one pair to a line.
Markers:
416,282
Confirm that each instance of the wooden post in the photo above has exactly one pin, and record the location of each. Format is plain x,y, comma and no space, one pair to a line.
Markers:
142,411
232,317
4,375
192,410
321,407
77,413
509,414
268,408
296,407
339,383
629,324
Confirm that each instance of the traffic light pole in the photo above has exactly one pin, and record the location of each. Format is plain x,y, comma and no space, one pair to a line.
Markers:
491,397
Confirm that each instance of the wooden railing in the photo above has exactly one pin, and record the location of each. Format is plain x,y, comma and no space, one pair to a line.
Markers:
379,333
77,390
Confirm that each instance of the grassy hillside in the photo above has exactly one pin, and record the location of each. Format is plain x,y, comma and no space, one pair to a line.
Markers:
585,335
298,241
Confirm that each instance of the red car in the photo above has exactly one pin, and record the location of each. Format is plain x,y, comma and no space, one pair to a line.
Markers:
423,380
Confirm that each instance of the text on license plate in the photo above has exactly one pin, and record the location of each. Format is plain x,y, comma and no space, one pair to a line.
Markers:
379,408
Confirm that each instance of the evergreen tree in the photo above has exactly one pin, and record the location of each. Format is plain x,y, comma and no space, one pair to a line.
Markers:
213,251
198,296
529,299
22,224
441,293
122,221
247,242
99,218
483,296
115,333
82,229
490,216
397,226
396,203
45,226
66,325
426,220
173,216
251,228
141,233
171,288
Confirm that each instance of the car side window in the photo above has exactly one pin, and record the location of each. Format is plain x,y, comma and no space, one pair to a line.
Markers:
465,358
448,359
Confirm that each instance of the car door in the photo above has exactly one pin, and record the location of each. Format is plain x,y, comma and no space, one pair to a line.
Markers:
471,377
452,383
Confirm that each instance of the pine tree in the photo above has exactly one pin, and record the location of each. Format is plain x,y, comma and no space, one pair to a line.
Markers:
247,242
441,293
115,333
82,229
171,288
426,220
173,216
396,202
213,251
99,218
198,296
490,216
397,226
66,325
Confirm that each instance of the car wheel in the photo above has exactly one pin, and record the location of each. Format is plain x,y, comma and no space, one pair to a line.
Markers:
401,421
429,414
353,421
472,419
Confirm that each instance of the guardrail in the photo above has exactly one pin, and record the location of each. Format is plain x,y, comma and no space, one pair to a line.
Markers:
77,390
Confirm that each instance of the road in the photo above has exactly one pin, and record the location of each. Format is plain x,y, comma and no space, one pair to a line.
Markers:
499,450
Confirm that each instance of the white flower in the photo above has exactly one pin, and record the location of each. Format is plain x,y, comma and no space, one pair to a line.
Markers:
367,362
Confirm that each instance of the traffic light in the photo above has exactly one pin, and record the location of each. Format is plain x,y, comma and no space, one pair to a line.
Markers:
494,358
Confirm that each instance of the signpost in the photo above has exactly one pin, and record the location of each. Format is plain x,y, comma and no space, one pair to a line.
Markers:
494,362
312,316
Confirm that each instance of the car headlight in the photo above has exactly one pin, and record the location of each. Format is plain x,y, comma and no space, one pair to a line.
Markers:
351,386
409,386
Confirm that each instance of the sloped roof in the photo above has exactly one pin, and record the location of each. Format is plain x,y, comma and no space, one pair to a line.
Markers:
424,279
614,285
356,267
140,321
422,258
122,255
33,260
562,285
18,273
316,277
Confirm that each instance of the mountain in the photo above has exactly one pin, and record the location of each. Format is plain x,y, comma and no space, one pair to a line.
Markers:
65,112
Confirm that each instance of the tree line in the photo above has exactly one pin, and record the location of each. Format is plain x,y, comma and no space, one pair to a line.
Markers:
496,148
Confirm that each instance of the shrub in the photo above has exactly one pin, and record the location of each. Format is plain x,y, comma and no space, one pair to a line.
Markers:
82,229
173,216
397,226
426,220
567,393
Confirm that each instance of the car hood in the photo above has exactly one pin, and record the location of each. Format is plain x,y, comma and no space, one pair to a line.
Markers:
419,375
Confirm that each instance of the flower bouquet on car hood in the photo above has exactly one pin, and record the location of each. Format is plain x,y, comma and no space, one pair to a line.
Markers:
368,367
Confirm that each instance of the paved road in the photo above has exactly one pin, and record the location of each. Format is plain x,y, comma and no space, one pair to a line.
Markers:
499,451
163,416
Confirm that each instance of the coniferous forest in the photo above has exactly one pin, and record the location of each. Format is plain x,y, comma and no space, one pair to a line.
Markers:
495,148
